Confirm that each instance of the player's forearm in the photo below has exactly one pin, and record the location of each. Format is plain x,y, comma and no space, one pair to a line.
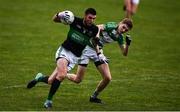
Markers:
101,27
125,52
128,42
97,49
124,49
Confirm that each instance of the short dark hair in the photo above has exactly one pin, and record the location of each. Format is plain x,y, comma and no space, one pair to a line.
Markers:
90,11
128,22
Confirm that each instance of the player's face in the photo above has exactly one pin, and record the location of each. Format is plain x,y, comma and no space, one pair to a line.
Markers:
123,28
89,19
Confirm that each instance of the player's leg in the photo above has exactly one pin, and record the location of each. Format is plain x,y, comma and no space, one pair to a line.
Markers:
82,64
42,78
52,76
131,8
65,61
134,6
127,8
39,78
61,73
78,77
90,53
48,79
106,75
106,78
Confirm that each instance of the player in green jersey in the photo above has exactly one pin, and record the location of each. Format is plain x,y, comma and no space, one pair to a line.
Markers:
81,31
109,32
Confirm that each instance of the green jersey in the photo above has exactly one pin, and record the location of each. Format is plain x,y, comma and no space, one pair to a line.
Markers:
110,34
79,36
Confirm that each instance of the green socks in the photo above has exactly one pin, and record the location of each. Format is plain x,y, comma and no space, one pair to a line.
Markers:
54,87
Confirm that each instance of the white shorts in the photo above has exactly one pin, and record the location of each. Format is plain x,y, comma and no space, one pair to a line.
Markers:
88,53
68,55
135,2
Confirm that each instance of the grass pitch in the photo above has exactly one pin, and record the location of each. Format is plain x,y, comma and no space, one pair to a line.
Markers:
148,79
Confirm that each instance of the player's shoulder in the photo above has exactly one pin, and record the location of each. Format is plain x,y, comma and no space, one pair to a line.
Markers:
77,20
94,28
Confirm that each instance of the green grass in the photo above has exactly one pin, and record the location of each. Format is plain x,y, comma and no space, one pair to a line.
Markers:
148,79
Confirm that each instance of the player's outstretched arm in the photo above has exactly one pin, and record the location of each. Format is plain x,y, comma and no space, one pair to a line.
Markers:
65,17
97,40
125,47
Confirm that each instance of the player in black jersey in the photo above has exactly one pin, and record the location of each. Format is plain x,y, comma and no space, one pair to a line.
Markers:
79,35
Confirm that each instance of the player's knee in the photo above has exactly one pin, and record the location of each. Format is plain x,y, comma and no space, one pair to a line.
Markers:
77,80
108,78
60,77
50,80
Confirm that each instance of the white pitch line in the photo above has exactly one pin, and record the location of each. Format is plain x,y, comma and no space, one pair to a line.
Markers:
21,86
42,85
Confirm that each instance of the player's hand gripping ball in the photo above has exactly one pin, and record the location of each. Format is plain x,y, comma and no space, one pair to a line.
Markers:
66,17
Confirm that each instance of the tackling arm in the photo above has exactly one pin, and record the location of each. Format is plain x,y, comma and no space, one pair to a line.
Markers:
96,40
96,44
